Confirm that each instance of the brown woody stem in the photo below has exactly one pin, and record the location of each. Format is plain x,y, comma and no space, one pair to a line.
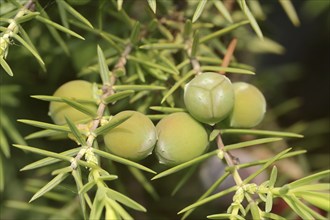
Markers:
229,54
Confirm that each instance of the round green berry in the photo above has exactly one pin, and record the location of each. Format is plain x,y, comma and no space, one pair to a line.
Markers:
77,89
209,97
249,108
133,139
180,138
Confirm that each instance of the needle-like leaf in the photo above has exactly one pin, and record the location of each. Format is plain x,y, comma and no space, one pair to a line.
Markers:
272,216
209,199
251,143
28,16
83,198
119,4
122,160
185,165
261,132
43,133
53,31
135,33
49,186
254,209
137,87
223,10
120,211
221,216
125,200
152,5
104,71
151,64
269,202
223,31
273,177
44,152
308,179
177,85
184,179
10,129
118,96
250,17
75,131
290,11
114,122
80,107
75,13
59,99
199,10
98,204
195,44
2,175
85,188
44,125
4,145
144,182
210,190
166,109
49,160
163,46
265,166
256,163
5,66
226,69
57,26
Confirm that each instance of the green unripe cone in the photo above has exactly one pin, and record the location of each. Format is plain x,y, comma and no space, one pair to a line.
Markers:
209,97
133,139
77,89
180,138
249,108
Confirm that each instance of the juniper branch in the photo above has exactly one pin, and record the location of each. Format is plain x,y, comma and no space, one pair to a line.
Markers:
107,90
230,161
12,28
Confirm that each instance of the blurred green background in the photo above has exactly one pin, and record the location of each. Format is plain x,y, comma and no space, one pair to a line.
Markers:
296,85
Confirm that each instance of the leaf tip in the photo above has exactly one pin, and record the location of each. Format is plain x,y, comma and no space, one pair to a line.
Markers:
32,199
23,169
182,211
163,100
22,120
153,5
151,171
155,177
